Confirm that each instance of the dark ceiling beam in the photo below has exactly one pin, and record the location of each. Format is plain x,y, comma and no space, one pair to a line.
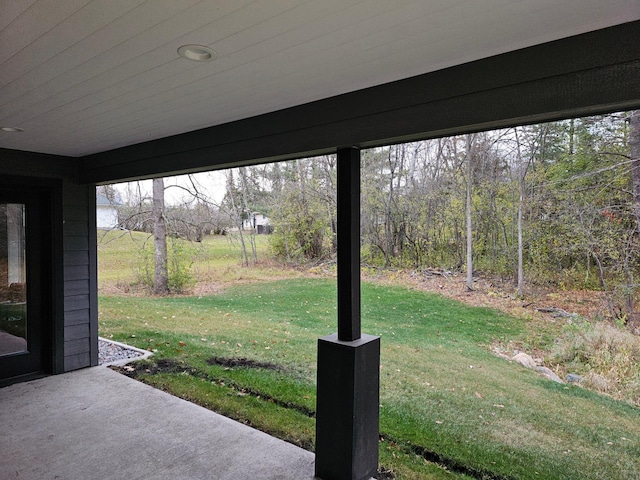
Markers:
19,162
587,74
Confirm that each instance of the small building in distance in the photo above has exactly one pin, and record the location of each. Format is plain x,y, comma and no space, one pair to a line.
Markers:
259,222
106,213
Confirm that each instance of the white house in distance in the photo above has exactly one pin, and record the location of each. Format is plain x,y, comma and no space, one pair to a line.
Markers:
259,222
106,213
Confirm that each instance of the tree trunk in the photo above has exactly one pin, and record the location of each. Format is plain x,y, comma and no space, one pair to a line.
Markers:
388,227
252,237
161,277
572,132
520,247
237,215
522,171
469,145
634,151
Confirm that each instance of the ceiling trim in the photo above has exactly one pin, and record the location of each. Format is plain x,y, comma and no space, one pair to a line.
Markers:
24,163
592,73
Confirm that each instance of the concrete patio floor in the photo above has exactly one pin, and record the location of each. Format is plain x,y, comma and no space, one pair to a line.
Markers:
97,424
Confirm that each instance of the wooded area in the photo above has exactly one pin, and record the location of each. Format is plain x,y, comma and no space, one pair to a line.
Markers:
555,204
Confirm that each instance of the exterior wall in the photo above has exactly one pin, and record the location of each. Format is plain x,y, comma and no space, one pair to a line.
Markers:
74,289
80,340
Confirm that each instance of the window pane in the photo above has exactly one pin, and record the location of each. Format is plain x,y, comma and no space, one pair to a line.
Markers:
13,299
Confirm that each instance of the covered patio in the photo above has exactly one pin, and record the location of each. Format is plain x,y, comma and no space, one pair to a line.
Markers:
97,423
95,92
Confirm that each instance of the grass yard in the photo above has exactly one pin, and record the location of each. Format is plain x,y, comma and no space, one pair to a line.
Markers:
449,407
123,255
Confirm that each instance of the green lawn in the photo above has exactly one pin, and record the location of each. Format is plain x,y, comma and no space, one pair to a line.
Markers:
444,396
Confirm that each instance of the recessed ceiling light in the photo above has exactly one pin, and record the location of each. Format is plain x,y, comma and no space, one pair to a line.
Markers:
197,53
11,129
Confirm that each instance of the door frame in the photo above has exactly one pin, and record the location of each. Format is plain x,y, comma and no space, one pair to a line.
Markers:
47,267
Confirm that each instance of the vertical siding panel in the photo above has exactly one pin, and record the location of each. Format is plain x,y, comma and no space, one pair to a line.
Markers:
80,302
74,362
93,272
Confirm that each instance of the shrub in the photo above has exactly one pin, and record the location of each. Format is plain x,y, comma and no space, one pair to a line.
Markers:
607,357
180,262
180,259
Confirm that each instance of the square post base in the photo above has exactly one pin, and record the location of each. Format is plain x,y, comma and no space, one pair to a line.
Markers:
347,408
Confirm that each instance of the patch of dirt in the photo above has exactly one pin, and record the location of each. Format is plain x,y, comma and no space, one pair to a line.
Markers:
241,362
202,289
499,294
384,474
121,288
163,365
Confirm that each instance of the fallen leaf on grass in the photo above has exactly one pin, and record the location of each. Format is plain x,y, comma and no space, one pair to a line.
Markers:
478,395
182,344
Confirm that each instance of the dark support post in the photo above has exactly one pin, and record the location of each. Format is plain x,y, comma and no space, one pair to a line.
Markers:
348,389
348,172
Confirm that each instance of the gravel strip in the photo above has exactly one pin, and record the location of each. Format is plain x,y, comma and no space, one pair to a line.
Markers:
116,353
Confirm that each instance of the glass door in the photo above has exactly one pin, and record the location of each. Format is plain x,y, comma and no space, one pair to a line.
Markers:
21,323
13,280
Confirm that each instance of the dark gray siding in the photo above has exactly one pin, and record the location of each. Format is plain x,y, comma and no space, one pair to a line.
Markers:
75,328
80,316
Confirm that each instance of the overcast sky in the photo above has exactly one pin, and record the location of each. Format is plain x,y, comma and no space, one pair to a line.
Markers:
211,184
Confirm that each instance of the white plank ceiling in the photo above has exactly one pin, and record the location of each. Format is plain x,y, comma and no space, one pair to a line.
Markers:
84,76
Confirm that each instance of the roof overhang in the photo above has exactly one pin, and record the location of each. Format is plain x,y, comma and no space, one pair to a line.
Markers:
588,74
102,82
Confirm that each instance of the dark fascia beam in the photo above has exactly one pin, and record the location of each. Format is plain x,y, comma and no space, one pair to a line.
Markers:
588,74
19,162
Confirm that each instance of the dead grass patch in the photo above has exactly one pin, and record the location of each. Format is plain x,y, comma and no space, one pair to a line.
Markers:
606,356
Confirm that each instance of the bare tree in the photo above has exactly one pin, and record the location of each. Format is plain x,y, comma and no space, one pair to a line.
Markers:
634,152
236,213
242,173
521,173
521,193
470,143
161,277
275,176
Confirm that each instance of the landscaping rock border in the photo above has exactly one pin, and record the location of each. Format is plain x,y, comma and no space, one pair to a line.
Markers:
536,364
111,352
